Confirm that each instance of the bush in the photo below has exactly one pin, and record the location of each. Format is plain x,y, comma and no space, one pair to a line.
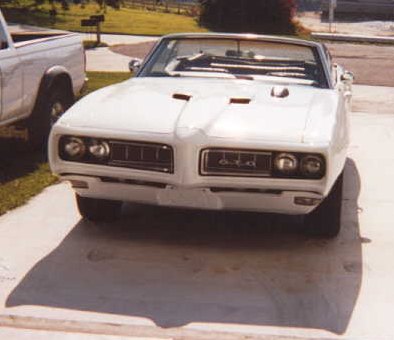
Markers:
251,16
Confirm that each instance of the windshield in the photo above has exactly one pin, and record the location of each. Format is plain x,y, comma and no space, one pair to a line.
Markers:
234,58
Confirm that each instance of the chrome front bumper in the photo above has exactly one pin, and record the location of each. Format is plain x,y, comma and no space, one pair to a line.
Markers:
289,202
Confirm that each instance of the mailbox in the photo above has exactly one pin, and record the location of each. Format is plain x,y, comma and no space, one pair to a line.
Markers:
88,22
94,20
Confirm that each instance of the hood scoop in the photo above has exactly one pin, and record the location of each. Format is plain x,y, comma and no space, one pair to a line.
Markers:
181,96
280,92
239,100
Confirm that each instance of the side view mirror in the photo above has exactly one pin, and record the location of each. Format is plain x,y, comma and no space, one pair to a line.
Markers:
347,77
135,64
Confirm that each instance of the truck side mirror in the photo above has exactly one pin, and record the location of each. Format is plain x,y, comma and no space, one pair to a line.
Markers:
347,77
135,64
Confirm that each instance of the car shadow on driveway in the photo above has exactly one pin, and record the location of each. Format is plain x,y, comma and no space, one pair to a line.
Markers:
176,267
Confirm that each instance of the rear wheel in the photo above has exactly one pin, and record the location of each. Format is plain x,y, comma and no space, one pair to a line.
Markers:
97,210
325,220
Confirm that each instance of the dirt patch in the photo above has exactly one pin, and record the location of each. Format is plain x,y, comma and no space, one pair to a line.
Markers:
135,50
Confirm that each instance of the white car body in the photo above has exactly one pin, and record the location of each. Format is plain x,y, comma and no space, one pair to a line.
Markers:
201,116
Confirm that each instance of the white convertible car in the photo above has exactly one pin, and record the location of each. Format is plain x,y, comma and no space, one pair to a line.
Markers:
214,121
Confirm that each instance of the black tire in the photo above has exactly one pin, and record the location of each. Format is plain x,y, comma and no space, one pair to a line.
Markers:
325,220
98,209
45,115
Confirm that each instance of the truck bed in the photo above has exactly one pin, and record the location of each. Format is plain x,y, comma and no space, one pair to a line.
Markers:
26,34
18,37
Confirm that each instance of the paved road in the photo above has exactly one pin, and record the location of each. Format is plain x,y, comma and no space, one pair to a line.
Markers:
173,271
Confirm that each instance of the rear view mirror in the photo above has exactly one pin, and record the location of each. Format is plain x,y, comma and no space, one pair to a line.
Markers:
135,65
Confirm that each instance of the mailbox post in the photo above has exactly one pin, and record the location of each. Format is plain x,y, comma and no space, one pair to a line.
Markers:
94,20
99,19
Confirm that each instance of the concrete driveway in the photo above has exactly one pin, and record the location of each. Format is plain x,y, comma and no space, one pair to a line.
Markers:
179,274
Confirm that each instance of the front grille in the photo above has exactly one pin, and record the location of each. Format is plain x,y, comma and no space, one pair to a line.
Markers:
222,162
143,156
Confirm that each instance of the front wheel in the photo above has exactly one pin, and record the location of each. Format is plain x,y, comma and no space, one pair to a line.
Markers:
98,210
325,220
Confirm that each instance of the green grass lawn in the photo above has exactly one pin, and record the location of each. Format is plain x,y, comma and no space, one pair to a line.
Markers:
24,174
125,20
19,190
98,80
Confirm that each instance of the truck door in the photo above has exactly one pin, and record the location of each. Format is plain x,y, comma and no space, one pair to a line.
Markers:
11,71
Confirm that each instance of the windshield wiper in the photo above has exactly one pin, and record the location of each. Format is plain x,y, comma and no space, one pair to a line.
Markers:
300,78
272,68
193,57
287,74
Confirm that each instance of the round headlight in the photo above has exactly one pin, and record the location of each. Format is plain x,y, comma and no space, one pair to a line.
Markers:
74,148
312,166
99,149
286,163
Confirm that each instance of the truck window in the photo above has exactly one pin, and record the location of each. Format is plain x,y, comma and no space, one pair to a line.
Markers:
3,39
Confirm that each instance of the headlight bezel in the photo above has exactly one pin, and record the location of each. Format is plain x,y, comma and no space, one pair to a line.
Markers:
94,147
316,158
273,173
67,141
161,161
299,173
88,156
286,157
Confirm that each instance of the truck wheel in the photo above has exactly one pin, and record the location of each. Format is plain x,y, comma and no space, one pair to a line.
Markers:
98,210
46,115
325,220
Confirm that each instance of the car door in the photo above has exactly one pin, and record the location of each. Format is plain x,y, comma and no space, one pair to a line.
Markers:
11,72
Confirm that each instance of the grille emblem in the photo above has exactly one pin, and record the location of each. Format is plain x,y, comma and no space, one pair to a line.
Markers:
238,163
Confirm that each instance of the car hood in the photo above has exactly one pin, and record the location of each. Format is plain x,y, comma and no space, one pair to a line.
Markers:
222,108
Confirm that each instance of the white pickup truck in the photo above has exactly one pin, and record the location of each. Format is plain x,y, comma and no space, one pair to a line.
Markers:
40,75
